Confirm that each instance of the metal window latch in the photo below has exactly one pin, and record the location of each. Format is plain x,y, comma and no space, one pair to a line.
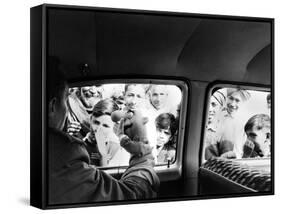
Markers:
169,162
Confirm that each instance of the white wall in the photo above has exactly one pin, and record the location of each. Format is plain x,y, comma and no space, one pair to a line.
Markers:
14,108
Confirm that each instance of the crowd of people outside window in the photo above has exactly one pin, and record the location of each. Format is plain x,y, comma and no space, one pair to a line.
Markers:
230,133
89,118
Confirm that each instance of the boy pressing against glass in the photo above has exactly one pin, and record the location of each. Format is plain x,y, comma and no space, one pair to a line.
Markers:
166,129
258,134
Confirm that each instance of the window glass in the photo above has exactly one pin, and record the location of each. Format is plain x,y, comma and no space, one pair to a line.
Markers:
96,113
238,125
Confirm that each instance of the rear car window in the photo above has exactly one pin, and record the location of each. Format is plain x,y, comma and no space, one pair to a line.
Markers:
238,126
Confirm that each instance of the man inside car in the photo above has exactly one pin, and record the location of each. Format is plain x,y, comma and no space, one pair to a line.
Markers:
71,178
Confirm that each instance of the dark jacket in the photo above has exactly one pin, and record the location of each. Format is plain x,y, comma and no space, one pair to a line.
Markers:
73,180
93,151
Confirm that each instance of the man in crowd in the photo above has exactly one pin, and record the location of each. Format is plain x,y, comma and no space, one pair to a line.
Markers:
135,100
223,137
81,102
134,97
157,98
213,147
71,178
235,97
232,127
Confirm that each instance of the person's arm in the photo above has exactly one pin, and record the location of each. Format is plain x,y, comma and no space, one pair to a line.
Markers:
248,149
76,181
211,151
73,180
226,149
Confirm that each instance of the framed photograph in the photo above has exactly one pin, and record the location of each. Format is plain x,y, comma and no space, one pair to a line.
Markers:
132,106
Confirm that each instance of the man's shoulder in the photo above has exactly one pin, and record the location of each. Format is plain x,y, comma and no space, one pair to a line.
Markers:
64,148
63,143
62,137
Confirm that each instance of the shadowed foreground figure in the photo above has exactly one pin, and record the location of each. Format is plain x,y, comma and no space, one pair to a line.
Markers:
71,178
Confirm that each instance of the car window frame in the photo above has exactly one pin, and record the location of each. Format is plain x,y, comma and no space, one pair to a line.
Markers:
165,172
210,88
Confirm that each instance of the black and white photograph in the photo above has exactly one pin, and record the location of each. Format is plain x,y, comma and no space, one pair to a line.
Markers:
146,106
140,106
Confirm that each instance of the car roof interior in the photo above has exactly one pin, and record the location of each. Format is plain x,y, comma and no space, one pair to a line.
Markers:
196,52
132,43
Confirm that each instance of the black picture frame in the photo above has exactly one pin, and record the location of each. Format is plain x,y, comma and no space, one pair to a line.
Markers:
43,34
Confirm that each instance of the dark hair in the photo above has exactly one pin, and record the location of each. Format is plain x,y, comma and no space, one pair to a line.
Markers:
259,120
104,107
56,82
166,121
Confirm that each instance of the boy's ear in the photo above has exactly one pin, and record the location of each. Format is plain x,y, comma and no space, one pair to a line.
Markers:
52,105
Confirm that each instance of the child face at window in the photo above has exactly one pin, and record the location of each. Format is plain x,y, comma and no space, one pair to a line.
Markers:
102,124
102,129
163,136
262,137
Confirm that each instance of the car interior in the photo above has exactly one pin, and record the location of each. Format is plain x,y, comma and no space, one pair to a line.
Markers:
197,54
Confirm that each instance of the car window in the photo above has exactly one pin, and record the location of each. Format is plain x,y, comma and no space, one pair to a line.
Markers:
95,113
238,126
